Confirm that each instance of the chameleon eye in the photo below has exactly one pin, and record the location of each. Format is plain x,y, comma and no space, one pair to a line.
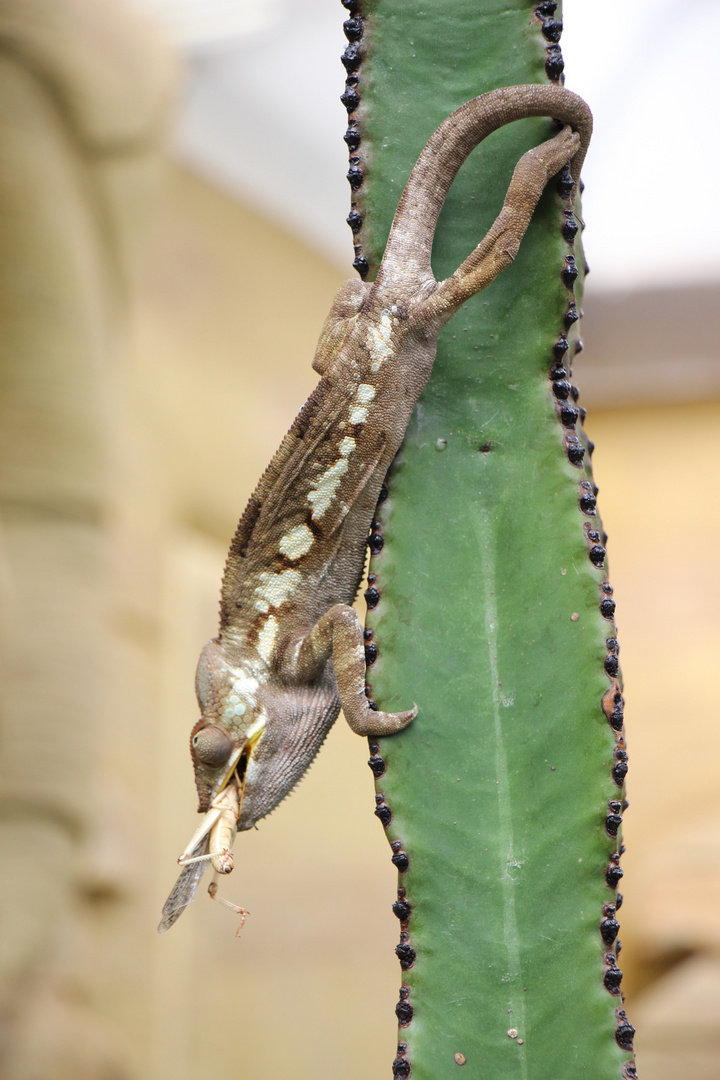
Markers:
212,745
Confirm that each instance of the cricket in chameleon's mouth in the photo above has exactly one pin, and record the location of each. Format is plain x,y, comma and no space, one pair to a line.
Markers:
220,821
211,842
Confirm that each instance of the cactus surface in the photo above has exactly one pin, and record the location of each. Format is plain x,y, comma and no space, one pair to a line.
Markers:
489,602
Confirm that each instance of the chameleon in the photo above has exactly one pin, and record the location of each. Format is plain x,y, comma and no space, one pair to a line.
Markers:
290,649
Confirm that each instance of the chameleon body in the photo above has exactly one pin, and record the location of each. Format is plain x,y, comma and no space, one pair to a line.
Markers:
290,651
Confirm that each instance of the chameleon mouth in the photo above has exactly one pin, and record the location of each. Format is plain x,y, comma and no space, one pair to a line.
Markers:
235,774
217,831
239,770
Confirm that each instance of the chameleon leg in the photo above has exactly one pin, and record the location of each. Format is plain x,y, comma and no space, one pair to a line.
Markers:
338,636
500,245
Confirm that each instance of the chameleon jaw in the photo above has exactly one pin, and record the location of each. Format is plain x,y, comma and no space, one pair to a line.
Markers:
216,831
220,820
226,800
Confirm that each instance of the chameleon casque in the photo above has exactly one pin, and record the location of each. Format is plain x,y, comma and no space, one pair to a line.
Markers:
290,651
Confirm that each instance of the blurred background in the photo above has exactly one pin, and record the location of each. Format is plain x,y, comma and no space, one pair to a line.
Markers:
172,205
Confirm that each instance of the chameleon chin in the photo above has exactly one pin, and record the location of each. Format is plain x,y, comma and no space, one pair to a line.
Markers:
290,653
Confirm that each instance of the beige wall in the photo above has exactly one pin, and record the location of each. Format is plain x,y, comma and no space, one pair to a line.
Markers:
656,469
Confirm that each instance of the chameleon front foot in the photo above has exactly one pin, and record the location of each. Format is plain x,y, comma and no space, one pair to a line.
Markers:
338,636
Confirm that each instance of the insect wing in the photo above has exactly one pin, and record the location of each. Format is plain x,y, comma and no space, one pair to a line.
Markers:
183,892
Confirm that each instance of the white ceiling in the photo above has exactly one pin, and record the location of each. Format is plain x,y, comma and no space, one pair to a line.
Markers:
260,115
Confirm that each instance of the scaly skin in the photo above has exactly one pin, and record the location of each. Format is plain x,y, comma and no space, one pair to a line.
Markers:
290,650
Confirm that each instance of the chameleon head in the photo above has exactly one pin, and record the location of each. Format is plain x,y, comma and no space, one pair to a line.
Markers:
231,723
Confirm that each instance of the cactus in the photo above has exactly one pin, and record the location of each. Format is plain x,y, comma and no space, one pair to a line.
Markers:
488,593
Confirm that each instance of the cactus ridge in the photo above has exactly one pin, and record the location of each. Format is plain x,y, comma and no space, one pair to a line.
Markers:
579,448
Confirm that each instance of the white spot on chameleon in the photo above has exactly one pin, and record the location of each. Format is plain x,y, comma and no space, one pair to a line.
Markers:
255,667
358,408
365,393
275,589
241,696
325,487
266,639
296,543
231,712
379,342
243,685
233,708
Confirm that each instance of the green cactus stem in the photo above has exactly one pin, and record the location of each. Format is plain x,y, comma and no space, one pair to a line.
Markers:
489,598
